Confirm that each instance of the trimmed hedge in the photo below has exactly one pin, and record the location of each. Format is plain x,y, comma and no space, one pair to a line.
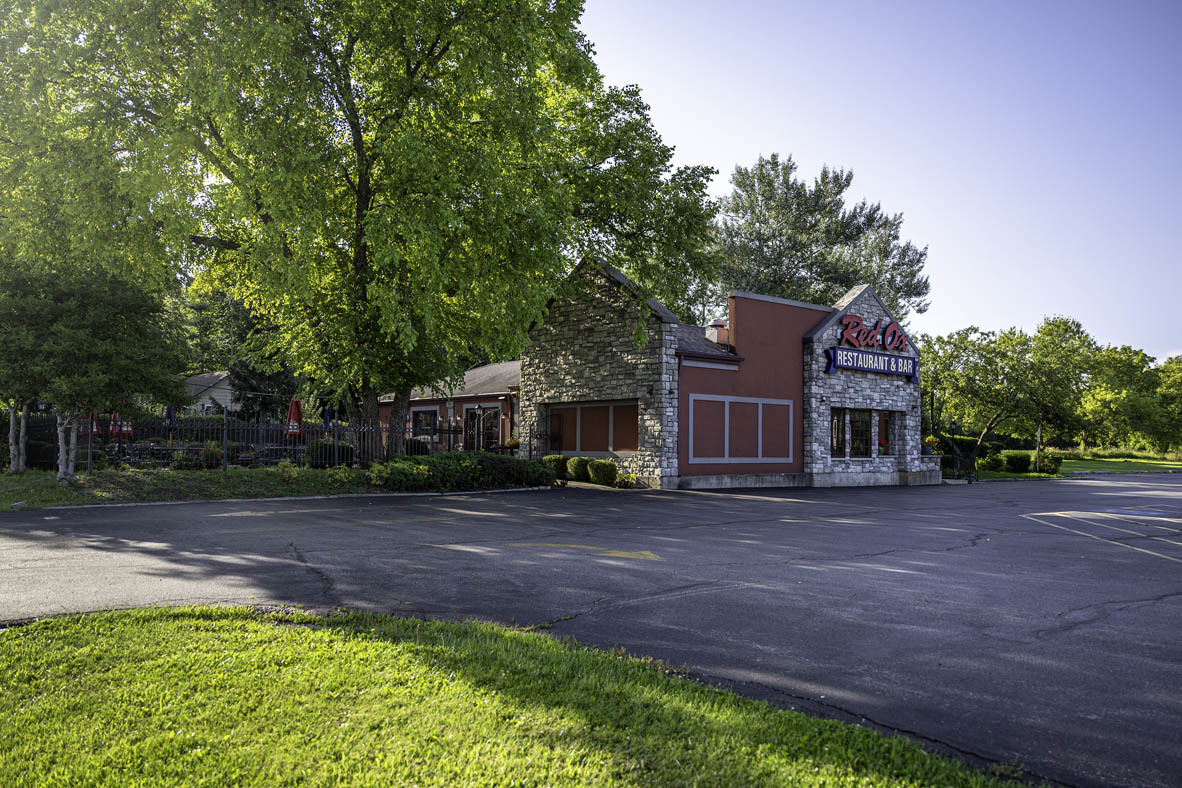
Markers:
320,454
459,471
577,468
602,472
558,463
1017,461
990,462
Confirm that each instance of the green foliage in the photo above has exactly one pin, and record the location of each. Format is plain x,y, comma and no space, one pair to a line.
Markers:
211,455
990,462
342,475
320,453
577,468
1048,462
386,191
602,472
410,702
627,481
558,463
778,236
1017,461
183,460
288,469
458,471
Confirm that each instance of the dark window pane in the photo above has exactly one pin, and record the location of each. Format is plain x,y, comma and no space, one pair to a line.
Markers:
837,432
859,433
884,433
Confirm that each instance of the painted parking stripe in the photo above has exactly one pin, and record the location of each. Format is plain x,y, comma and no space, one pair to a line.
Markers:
1097,538
1072,516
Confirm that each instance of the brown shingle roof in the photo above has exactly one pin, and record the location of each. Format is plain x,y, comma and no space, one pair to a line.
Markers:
692,340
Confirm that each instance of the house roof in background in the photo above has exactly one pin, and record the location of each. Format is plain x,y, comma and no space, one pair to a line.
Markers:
692,340
481,381
196,385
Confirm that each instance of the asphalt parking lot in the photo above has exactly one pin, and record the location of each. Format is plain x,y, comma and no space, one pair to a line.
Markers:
1036,624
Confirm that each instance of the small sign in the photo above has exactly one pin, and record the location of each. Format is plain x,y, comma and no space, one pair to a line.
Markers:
868,361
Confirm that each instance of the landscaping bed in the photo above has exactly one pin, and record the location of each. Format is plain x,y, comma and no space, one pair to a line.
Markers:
222,696
451,472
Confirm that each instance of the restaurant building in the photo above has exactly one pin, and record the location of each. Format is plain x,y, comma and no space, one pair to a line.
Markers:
780,393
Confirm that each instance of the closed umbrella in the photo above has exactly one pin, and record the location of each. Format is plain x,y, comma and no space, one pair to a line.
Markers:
295,418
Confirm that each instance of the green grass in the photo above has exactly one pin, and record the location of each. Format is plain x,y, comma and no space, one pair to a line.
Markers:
40,488
220,696
1119,465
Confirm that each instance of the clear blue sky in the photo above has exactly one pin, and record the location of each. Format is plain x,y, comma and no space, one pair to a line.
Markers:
1034,146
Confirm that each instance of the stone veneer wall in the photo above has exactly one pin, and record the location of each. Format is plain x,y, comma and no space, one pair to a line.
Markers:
864,390
585,351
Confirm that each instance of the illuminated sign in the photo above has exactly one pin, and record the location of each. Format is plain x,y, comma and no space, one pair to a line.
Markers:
869,361
855,333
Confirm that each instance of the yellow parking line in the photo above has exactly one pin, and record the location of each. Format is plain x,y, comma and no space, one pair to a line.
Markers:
1093,536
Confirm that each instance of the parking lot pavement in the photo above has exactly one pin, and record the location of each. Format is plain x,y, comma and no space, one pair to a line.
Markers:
1028,623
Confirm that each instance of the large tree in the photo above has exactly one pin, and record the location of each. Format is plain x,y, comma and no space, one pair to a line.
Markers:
780,236
389,184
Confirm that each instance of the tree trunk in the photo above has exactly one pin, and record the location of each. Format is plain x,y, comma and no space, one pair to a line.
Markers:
18,438
396,427
363,423
67,446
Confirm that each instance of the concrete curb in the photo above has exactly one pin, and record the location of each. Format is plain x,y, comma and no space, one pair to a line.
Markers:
295,498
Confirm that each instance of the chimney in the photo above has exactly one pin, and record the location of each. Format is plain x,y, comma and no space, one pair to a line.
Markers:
718,332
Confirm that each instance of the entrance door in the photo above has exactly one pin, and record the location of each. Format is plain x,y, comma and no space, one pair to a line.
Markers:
482,428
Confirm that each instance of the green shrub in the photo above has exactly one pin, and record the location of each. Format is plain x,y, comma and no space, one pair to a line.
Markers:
1017,461
288,470
992,448
320,454
990,462
183,460
627,481
211,456
1069,454
602,472
416,447
459,471
1048,462
577,468
558,463
341,474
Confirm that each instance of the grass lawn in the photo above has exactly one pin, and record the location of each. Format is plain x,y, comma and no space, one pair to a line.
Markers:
40,488
222,696
1120,466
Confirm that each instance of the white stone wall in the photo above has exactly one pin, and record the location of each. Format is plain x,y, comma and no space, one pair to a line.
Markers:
862,390
586,350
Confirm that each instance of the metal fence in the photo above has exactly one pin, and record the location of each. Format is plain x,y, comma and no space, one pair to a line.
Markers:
194,442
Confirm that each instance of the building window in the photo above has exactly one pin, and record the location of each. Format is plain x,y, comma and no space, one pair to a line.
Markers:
859,433
594,427
884,433
837,432
423,422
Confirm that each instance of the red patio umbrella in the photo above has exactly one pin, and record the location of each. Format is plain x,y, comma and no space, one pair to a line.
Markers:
119,427
94,425
295,418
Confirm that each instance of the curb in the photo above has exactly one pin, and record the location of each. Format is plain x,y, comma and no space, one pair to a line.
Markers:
294,498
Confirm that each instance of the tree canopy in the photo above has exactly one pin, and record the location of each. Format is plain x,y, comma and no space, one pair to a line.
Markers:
780,236
389,184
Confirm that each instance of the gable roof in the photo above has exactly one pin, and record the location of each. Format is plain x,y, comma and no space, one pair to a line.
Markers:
485,380
842,307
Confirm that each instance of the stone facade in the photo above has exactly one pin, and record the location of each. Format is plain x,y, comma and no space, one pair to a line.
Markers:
861,390
586,351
